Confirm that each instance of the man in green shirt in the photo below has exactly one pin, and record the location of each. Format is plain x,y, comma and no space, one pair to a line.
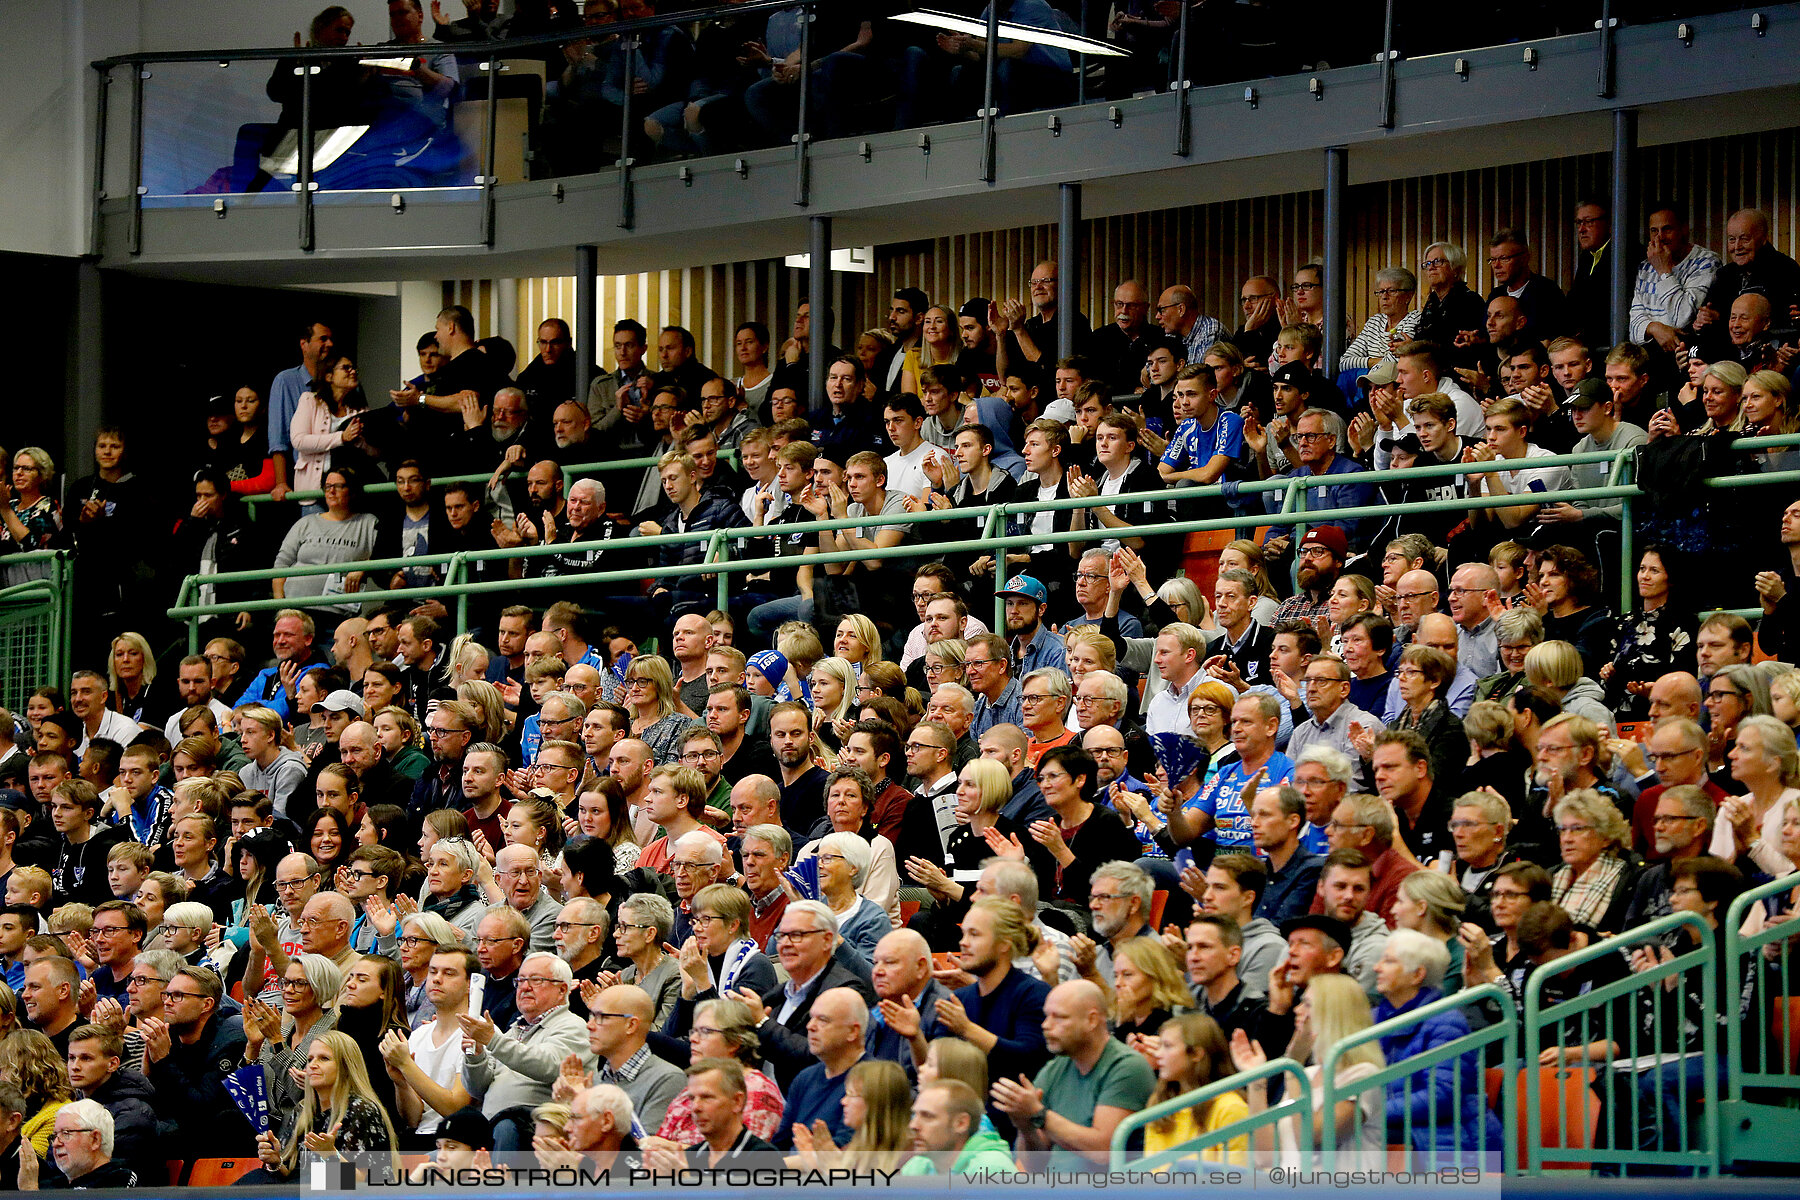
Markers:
951,1132
1082,1094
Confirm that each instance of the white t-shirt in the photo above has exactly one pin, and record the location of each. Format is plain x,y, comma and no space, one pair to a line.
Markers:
906,472
172,730
114,726
1553,479
441,1064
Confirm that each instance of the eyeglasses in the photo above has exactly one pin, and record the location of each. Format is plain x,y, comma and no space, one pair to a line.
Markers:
169,996
288,885
1665,819
624,925
433,732
694,756
1163,308
682,868
1206,710
1092,576
1433,263
701,918
1413,595
1722,693
295,983
1495,260
1467,825
979,662
1104,897
1314,437
1108,752
831,858
1034,698
537,981
493,941
1322,680
63,1135
1384,293
794,935
315,922
411,940
1574,829
941,668
700,1031
922,746
1671,756
106,930
519,873
1334,823
147,980
356,874
1301,286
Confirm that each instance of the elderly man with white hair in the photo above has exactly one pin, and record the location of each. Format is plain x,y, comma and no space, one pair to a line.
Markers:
697,861
82,1145
511,1073
521,879
589,532
805,943
600,1119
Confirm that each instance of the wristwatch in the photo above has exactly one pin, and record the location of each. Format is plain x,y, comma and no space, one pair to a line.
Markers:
1036,1119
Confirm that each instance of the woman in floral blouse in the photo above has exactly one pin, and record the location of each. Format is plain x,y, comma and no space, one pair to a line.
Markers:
723,1029
29,518
1655,639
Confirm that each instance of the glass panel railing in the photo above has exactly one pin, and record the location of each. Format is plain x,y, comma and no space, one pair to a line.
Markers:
418,112
214,128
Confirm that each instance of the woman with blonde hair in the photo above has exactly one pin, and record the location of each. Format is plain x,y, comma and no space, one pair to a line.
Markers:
833,685
1598,871
398,732
130,671
1333,1009
1784,697
1148,989
944,661
1350,597
877,1109
1557,665
982,789
1722,396
857,641
1245,555
30,518
1188,1053
649,694
338,1113
489,703
30,1062
1433,904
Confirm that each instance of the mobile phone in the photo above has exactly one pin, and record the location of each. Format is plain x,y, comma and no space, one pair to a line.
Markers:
477,990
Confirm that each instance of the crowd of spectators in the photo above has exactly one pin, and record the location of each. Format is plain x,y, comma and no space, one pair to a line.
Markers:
732,81
621,874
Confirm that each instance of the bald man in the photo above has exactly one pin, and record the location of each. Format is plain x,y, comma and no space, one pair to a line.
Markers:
1479,642
1080,1096
1415,594
1440,632
1676,694
360,749
909,996
835,1032
617,1031
690,641
587,684
325,926
521,880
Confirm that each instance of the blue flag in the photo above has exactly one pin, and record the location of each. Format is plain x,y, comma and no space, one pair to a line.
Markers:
249,1090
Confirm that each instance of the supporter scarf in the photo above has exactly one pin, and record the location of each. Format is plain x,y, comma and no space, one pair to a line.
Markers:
736,956
448,906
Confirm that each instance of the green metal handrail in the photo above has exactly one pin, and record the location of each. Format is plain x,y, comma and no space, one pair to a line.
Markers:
1538,1017
1504,1033
59,594
569,473
1742,953
717,560
1297,1093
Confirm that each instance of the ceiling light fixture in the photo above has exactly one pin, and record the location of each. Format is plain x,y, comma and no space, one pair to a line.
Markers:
1011,32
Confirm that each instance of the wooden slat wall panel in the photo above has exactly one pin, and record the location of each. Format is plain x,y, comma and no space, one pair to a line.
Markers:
1210,247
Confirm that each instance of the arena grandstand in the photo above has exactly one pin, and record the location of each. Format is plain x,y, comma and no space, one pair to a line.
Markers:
1335,714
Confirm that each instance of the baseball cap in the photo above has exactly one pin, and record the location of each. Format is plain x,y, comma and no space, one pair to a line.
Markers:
1331,927
469,1127
1406,443
1381,374
1296,374
1330,537
1588,393
976,308
342,700
1026,588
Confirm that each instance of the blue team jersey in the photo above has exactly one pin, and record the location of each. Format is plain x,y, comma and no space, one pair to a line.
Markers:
1220,800
1193,447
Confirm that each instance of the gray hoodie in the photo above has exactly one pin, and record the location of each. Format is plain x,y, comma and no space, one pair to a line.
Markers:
1367,940
1263,950
1589,700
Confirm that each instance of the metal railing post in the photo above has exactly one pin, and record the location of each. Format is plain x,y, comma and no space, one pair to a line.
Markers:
1605,83
304,183
138,76
1183,116
587,319
452,577
490,152
803,115
627,214
1068,264
1387,66
818,299
99,192
990,86
1337,182
1624,188
995,527
718,550
1621,474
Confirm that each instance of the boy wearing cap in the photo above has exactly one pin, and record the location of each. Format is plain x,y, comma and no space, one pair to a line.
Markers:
1596,419
1033,646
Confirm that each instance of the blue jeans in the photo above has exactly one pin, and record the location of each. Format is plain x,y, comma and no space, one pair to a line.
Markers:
765,619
